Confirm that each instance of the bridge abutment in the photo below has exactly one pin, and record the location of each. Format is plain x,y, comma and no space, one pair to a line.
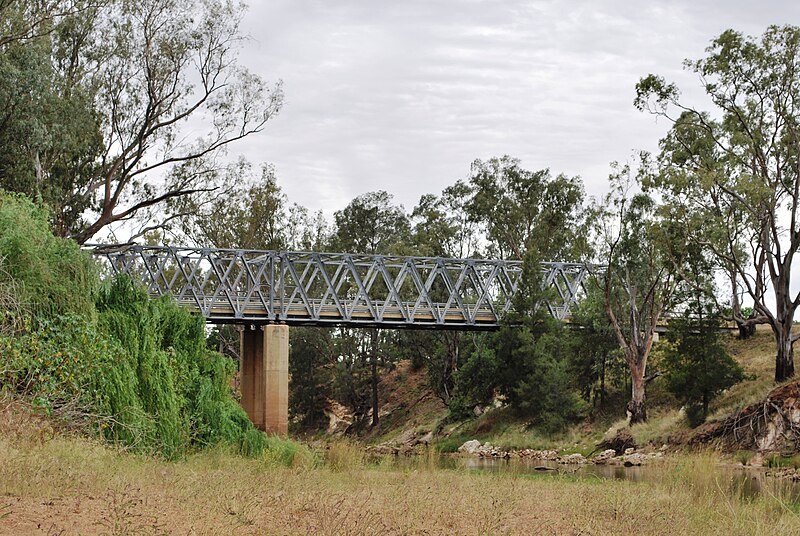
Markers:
264,371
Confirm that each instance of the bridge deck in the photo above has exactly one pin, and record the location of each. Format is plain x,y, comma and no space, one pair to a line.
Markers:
258,287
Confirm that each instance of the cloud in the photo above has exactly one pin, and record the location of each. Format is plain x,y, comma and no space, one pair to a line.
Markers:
402,96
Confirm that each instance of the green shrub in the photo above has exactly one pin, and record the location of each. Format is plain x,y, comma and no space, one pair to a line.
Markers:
697,365
105,357
182,385
778,461
52,275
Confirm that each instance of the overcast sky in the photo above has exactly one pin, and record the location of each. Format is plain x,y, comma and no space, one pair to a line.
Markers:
403,95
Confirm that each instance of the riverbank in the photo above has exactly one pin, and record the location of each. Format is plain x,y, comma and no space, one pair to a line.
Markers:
55,484
413,419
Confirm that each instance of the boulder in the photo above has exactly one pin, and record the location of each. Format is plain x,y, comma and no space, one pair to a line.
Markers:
635,459
470,447
604,456
573,459
539,454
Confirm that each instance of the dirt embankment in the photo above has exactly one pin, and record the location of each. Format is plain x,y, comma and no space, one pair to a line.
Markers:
769,425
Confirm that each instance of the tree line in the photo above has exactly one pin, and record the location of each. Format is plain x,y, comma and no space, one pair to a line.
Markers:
98,97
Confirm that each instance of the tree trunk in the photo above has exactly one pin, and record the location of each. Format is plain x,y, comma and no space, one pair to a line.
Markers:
452,340
636,405
706,399
374,391
784,360
603,381
746,330
374,361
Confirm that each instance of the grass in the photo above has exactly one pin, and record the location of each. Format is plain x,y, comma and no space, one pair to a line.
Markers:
54,484
778,461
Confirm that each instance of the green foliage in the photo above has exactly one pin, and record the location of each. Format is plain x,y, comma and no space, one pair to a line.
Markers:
50,136
371,224
697,365
534,373
527,361
450,445
778,461
91,92
181,386
51,275
527,210
310,350
476,381
596,362
135,370
251,215
744,215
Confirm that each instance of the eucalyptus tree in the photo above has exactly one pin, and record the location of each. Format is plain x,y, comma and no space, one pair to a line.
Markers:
156,88
253,214
25,20
531,216
640,279
49,137
442,227
738,168
522,210
371,224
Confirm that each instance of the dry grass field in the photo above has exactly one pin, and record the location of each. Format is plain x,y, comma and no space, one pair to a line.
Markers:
52,484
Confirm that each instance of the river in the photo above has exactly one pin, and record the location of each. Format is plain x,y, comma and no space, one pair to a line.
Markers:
734,480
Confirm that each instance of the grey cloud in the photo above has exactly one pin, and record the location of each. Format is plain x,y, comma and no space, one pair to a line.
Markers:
402,96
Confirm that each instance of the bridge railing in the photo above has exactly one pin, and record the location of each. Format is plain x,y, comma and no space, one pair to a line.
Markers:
250,286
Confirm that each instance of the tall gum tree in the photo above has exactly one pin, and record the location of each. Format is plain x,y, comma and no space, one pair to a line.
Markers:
162,96
743,159
639,282
442,227
522,210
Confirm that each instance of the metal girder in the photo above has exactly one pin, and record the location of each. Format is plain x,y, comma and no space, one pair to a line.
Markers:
255,287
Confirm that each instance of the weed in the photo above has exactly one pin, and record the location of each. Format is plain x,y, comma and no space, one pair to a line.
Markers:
777,461
344,455
122,516
743,456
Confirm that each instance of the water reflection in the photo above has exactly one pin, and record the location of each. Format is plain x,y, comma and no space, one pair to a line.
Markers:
734,481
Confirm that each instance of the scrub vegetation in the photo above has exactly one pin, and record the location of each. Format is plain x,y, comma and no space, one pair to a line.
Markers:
103,357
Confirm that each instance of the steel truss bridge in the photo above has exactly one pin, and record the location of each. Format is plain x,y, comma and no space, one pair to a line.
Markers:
238,286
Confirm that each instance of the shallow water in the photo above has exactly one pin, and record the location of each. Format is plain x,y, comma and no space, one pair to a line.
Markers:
735,481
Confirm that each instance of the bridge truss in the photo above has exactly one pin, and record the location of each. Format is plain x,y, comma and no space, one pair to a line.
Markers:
302,288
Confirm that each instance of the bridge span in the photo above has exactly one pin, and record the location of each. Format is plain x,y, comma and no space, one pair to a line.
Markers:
238,286
266,291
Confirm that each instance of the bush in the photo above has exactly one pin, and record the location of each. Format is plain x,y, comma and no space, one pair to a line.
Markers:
535,374
697,365
51,275
475,383
107,358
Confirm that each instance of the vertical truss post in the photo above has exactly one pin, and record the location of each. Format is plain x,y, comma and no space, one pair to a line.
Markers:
263,287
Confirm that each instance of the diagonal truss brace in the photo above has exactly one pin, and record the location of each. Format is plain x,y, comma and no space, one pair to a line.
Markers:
255,287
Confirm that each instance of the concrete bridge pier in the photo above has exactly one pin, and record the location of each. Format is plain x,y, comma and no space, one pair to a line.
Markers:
264,375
